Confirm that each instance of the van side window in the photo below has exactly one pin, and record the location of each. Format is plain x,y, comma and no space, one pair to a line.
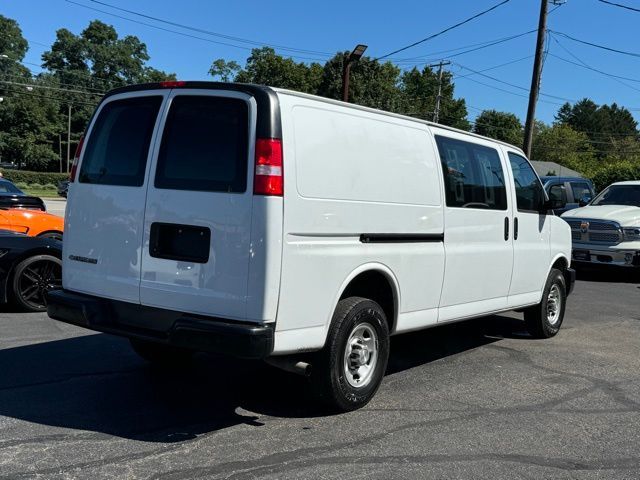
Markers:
473,175
117,149
529,191
204,145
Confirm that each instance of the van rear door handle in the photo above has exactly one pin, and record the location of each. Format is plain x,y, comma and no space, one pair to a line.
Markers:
515,228
506,228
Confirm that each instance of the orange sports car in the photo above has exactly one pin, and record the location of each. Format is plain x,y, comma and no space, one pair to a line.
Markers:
34,223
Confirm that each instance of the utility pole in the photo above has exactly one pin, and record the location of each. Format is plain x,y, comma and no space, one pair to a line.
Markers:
69,138
436,111
535,79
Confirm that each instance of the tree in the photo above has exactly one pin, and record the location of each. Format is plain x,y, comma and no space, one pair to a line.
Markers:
419,89
371,83
606,125
223,69
565,146
266,67
499,125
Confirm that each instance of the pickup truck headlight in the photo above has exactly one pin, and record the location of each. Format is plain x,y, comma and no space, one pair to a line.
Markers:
631,233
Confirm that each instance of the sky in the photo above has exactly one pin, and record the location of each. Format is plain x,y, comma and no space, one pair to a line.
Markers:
336,25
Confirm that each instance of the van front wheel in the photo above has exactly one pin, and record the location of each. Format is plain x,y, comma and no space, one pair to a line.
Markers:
351,366
544,320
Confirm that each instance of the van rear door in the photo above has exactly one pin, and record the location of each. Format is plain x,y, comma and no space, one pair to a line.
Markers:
197,222
105,212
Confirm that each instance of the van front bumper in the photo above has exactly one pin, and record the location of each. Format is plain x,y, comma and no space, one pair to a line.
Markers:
199,333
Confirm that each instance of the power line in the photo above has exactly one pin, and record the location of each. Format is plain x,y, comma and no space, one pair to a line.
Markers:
603,47
519,87
175,31
208,32
40,95
445,30
620,5
26,85
481,45
493,68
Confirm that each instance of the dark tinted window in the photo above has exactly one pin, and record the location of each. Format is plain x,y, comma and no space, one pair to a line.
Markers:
116,152
529,191
8,187
619,195
580,190
204,145
473,175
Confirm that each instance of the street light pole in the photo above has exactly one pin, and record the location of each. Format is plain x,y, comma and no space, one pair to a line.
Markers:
346,69
69,137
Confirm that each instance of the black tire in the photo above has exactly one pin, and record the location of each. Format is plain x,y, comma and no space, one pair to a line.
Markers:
54,235
32,278
537,318
329,373
161,355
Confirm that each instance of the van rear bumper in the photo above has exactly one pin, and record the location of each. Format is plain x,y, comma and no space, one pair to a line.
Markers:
207,334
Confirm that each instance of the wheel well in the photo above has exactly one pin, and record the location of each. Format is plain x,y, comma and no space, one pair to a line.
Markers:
561,264
50,231
375,286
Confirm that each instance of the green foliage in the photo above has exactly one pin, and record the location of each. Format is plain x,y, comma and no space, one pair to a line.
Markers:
29,178
608,173
502,126
605,125
565,146
223,69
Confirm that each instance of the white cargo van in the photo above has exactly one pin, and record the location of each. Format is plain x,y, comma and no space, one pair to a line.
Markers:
271,224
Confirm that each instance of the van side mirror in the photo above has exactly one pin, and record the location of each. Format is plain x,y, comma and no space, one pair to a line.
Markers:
584,201
553,204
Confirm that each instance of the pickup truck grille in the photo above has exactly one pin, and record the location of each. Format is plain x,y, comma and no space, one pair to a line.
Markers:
597,231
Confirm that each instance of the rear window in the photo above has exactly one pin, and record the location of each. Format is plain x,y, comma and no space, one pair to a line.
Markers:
204,145
116,151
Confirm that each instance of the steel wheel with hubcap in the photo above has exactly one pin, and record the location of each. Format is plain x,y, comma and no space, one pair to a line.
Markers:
350,368
33,278
544,320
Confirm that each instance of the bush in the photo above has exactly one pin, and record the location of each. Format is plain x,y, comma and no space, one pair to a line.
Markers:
49,186
607,174
22,185
35,186
23,176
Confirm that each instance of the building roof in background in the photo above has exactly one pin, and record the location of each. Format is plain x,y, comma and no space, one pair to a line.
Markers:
547,168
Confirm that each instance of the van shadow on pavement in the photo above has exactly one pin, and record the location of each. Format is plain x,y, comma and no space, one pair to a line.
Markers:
608,274
96,383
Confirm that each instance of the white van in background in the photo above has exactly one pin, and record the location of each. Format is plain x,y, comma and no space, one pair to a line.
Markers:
266,223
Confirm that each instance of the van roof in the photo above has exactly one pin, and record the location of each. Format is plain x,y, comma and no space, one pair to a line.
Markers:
267,94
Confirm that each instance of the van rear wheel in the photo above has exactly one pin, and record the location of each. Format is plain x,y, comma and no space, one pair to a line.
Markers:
351,366
161,355
544,320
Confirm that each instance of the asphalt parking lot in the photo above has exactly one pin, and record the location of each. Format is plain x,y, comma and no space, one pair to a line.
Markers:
473,400
56,206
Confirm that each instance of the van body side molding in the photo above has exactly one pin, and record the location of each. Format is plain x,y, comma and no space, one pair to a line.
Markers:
402,237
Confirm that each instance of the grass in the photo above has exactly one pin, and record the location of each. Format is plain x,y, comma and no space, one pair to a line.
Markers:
42,192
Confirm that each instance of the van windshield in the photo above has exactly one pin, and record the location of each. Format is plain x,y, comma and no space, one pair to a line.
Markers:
619,195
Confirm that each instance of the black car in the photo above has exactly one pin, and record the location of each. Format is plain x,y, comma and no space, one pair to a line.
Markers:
29,267
63,188
12,197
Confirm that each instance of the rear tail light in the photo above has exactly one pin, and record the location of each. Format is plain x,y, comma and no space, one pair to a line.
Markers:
76,159
268,179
